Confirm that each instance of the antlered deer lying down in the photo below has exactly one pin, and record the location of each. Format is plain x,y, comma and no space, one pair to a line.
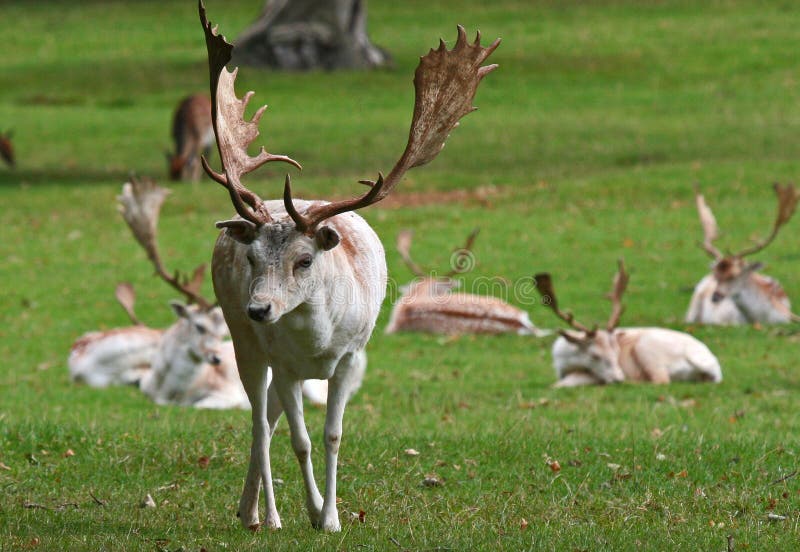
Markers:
429,305
193,135
301,282
736,292
7,148
584,356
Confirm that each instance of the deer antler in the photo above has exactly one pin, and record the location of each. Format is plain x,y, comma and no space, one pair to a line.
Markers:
544,284
709,223
617,290
127,298
788,197
140,204
445,82
404,248
233,133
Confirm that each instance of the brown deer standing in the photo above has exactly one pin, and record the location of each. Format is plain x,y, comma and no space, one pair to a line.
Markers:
193,135
584,356
735,292
7,148
429,305
295,301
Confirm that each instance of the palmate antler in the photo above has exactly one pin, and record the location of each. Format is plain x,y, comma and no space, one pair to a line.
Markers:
544,284
709,223
140,204
404,238
788,197
617,291
445,82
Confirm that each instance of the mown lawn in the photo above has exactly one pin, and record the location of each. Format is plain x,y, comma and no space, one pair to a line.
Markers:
585,148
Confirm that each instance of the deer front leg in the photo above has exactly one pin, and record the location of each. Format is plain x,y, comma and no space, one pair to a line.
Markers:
266,411
290,394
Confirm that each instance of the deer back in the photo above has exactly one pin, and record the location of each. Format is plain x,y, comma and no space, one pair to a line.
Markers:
114,357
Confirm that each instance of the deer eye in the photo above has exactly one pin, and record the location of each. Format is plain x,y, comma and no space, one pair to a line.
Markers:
200,329
303,262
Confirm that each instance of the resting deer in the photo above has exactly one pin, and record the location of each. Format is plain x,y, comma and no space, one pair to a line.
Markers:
193,135
736,292
428,304
301,282
583,356
7,148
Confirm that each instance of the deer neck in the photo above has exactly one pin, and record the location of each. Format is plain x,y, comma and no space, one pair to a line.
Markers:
761,299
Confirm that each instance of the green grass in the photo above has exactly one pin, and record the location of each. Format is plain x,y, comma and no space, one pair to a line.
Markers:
591,134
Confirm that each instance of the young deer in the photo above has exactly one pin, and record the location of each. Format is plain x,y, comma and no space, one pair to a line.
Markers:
735,292
120,356
7,148
428,304
193,135
295,301
584,356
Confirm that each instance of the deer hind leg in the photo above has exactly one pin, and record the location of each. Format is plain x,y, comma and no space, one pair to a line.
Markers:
291,397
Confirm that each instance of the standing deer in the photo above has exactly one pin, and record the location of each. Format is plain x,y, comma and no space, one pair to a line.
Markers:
584,356
428,304
295,301
735,292
193,135
7,148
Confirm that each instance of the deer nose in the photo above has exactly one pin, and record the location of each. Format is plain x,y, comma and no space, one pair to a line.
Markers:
214,360
716,297
259,314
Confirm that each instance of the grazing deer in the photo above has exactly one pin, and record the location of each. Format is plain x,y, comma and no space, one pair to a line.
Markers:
7,148
735,292
583,356
120,356
428,304
295,301
193,135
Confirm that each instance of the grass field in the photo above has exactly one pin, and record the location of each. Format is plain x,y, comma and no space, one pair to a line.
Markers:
585,148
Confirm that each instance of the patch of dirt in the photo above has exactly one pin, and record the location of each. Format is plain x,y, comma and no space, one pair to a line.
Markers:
481,195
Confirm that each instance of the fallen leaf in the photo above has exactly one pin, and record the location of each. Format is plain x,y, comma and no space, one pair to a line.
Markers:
775,517
4,467
613,466
69,453
523,524
411,452
148,502
432,480
362,516
203,462
554,466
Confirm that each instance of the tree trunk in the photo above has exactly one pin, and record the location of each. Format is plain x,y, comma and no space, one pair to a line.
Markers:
303,35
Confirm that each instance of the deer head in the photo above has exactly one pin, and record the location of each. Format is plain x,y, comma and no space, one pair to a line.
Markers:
283,248
595,349
7,148
731,271
427,282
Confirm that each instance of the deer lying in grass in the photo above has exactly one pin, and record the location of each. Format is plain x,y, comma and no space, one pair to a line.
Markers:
736,292
7,148
429,305
583,356
295,301
193,135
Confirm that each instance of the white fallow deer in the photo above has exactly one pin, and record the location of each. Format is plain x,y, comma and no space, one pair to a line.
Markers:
295,301
428,304
735,292
119,356
193,135
584,356
7,148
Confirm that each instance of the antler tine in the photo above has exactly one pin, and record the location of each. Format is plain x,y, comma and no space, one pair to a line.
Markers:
544,284
709,223
404,238
233,133
126,297
617,291
788,197
445,84
461,260
140,205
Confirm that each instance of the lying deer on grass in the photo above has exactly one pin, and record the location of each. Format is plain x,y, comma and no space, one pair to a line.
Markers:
736,292
583,356
429,305
7,148
295,301
193,135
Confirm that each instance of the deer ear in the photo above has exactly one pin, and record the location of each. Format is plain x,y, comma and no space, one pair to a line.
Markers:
179,309
243,231
327,238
